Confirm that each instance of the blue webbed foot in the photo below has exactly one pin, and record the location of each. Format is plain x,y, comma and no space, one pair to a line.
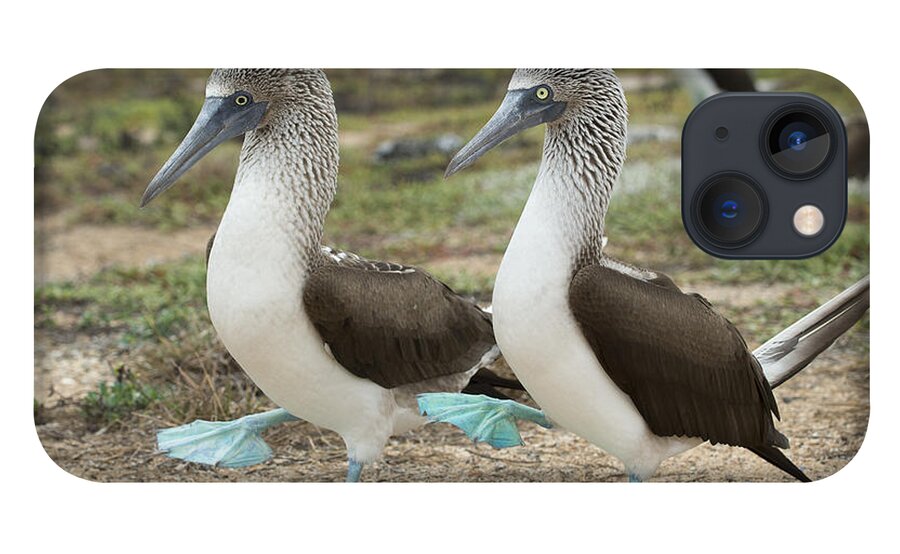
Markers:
482,418
354,470
234,443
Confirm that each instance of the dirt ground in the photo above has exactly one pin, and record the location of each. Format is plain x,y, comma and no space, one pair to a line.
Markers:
64,252
824,410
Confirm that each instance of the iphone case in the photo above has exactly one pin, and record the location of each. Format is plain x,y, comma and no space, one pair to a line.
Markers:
140,352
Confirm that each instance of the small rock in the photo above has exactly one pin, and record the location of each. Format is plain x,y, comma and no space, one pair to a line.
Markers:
88,143
147,136
408,148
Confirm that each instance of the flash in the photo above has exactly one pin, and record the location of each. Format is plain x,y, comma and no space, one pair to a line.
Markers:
809,220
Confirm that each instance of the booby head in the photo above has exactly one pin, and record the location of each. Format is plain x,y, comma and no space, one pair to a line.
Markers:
591,99
238,101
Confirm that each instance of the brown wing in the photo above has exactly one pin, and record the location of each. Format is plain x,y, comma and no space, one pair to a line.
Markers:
686,367
395,325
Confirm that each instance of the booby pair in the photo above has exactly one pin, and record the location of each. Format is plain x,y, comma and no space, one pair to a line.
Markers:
615,353
343,342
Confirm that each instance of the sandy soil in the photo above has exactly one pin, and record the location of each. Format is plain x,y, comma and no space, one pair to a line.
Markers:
825,409
65,253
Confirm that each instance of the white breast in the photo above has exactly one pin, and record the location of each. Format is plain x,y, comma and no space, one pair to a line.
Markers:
254,288
544,346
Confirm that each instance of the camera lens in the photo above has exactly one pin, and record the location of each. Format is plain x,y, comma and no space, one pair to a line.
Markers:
798,142
730,208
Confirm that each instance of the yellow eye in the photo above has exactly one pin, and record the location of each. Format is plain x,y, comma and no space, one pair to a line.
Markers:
542,93
241,100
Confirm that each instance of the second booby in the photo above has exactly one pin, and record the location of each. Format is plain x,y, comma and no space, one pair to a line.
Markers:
343,342
615,353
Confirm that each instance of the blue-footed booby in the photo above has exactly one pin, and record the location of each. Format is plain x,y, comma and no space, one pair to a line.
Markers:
615,353
338,340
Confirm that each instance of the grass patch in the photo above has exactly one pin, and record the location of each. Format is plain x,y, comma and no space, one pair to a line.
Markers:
199,379
40,412
102,135
146,303
174,369
662,106
112,402
177,370
468,283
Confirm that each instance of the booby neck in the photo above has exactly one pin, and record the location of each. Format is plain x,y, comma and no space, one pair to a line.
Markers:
582,158
289,166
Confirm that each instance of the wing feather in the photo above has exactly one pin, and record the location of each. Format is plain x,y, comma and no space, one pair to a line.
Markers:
395,325
686,367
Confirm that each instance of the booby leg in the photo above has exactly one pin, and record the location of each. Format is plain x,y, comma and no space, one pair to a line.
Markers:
482,418
632,478
234,443
354,470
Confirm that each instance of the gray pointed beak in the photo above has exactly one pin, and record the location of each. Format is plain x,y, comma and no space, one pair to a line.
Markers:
219,120
518,111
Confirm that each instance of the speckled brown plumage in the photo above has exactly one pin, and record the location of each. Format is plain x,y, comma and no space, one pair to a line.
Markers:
589,141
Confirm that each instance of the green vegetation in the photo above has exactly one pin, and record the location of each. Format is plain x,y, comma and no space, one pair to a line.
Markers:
103,134
177,367
111,403
145,303
39,412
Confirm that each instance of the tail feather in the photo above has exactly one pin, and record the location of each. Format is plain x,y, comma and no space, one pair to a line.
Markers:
777,458
791,350
487,382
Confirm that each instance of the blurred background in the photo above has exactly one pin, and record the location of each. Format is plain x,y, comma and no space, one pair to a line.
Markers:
123,343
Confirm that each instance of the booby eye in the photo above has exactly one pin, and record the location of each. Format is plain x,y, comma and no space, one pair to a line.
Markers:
542,93
241,99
